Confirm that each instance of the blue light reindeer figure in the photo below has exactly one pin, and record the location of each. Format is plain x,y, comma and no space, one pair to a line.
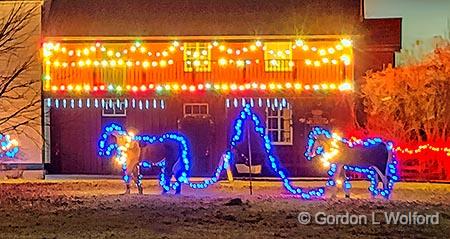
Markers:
382,168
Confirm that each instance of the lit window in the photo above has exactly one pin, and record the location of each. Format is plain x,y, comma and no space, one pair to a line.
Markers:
114,108
195,109
278,56
279,126
197,57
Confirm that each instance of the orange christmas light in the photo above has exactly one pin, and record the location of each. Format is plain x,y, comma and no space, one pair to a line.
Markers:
424,147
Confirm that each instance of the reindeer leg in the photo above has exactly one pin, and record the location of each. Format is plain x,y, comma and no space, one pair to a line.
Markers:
347,186
390,175
126,178
332,182
384,180
373,177
385,191
140,189
138,178
340,174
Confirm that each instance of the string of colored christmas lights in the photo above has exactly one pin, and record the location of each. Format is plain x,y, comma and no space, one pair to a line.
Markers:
424,147
9,147
327,155
146,63
59,62
109,103
108,150
273,103
147,104
222,88
50,48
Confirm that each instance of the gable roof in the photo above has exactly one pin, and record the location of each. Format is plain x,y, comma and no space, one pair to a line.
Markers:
201,17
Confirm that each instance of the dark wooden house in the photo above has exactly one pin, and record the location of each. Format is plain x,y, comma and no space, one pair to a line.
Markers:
190,65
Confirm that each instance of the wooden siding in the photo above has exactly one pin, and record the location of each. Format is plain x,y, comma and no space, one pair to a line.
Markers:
75,133
382,34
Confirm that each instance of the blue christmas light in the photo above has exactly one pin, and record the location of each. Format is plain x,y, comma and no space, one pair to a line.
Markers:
8,147
371,173
247,114
108,150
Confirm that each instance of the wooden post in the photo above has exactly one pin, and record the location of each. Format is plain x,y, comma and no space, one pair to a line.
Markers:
249,160
229,172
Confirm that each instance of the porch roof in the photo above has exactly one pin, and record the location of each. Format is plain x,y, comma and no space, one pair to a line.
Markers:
201,17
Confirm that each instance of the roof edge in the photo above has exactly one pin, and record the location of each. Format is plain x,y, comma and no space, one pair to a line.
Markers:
195,38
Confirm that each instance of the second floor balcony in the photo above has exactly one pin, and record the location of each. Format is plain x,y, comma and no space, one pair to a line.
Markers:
139,66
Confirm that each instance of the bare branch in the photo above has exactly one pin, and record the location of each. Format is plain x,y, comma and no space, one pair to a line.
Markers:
20,96
13,32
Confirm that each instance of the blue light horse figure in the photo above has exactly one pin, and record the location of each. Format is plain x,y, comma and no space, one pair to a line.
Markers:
326,145
109,148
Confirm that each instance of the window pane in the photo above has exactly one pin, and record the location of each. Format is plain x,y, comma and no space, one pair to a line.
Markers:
188,109
272,112
273,135
119,111
273,123
195,109
286,114
286,136
286,124
203,109
108,111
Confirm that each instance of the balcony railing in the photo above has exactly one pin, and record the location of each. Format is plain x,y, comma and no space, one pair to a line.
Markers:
239,72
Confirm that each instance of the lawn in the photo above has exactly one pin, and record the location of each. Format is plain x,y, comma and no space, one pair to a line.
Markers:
96,208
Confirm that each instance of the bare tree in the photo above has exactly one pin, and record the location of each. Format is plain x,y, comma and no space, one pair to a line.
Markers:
20,94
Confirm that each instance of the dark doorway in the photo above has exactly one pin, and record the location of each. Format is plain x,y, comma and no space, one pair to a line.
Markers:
74,142
200,132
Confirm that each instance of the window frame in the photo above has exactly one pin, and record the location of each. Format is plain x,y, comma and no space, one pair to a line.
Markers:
280,120
114,113
196,47
193,114
268,57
